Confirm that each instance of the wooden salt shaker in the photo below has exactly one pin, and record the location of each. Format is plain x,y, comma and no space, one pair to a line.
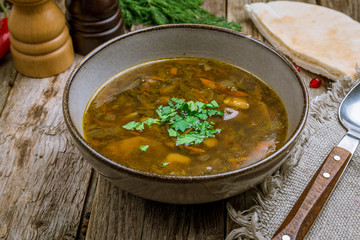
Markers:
92,22
40,42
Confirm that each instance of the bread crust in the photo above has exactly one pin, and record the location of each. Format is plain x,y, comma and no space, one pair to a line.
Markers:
319,39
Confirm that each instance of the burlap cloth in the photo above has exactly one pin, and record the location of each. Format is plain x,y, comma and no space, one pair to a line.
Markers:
340,217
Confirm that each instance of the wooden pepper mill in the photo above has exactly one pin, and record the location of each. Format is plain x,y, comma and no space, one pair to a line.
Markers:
40,42
92,22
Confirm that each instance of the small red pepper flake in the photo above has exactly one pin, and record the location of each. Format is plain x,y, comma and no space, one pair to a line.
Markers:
297,68
315,83
4,33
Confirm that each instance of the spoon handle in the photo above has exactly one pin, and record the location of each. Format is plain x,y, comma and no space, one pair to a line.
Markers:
308,206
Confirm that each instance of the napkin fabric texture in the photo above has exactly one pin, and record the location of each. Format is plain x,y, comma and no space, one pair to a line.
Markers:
340,217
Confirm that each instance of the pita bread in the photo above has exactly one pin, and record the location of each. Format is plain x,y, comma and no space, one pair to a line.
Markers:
316,38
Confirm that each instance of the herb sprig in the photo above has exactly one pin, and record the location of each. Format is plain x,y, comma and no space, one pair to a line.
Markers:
191,117
158,12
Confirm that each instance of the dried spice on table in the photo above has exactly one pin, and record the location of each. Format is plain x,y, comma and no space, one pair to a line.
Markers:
4,33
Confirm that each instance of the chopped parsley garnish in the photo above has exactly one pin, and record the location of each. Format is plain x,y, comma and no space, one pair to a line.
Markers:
151,121
131,125
183,116
144,147
139,126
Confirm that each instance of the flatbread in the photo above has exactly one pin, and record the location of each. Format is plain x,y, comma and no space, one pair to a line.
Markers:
319,39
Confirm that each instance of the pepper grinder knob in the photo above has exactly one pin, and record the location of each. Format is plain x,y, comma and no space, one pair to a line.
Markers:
41,45
92,22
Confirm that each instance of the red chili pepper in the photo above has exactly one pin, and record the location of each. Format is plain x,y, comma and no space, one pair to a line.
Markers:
4,33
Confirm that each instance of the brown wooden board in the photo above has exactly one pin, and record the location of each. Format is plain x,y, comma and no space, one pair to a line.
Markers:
48,191
43,178
7,78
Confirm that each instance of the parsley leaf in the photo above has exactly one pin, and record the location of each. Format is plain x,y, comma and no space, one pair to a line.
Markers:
151,121
130,126
192,106
200,104
214,103
183,116
144,147
140,126
172,132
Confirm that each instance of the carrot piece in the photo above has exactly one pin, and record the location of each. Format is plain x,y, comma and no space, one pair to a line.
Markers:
195,149
145,93
134,133
212,84
215,85
157,78
223,72
173,71
263,149
236,162
208,83
257,93
236,93
201,96
95,142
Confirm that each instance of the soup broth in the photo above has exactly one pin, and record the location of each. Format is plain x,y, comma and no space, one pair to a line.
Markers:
126,119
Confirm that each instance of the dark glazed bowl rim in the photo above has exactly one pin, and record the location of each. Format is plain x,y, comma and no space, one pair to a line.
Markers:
179,179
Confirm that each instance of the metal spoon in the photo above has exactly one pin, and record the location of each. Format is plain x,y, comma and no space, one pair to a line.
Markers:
308,206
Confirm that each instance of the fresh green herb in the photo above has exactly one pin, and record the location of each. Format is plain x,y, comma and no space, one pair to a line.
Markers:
214,103
188,139
158,12
151,121
165,164
144,147
173,133
131,125
139,126
165,113
184,116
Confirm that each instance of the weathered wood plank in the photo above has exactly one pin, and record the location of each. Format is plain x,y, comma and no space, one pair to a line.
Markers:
236,13
43,178
7,77
7,69
349,7
85,216
215,6
119,215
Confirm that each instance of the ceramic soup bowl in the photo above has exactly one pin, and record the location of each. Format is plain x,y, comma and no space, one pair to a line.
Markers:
184,40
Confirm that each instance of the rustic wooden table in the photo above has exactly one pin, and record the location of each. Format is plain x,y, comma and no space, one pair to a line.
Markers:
48,191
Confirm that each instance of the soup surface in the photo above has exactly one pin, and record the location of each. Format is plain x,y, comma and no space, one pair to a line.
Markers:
185,116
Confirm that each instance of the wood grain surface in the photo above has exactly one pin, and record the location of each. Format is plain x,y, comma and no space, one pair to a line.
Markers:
48,191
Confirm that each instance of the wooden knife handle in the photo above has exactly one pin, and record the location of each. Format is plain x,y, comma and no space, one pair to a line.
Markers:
308,206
